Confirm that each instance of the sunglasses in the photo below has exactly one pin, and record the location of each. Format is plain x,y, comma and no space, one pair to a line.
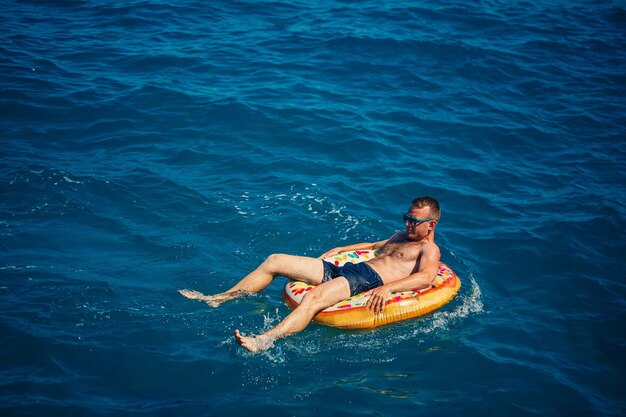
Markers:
414,220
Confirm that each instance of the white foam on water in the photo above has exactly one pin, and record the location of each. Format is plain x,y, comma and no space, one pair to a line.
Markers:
470,304
352,223
71,180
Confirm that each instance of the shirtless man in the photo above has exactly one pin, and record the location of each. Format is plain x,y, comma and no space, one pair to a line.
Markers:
408,260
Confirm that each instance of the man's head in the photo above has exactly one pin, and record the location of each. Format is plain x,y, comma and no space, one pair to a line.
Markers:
422,217
430,203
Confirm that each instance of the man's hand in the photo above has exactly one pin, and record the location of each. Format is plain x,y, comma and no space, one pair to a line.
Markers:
330,253
378,299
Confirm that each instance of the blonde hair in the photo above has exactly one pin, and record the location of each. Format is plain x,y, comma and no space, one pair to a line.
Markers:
431,203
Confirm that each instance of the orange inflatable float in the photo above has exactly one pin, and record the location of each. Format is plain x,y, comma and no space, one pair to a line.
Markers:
352,313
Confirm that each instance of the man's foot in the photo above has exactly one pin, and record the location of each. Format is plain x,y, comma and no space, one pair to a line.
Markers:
255,343
211,300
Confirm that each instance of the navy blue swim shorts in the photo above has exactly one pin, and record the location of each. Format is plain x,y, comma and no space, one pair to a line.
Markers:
360,276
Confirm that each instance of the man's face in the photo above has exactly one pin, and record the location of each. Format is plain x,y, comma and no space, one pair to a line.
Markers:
420,230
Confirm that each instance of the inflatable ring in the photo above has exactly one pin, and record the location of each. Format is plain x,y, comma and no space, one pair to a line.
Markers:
352,312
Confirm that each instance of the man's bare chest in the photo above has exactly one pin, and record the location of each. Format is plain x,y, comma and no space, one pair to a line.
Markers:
402,251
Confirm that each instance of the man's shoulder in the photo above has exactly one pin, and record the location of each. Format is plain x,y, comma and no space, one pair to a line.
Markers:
430,248
430,245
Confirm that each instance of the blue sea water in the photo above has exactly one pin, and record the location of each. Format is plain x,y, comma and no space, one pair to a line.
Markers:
149,146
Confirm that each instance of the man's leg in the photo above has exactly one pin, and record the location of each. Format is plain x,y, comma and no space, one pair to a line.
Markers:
294,267
319,298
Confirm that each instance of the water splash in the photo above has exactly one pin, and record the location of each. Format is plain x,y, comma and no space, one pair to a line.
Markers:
470,304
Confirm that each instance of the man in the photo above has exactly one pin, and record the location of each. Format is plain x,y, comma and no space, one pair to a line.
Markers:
408,260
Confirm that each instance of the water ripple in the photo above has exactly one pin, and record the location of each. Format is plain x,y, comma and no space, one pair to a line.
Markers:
147,147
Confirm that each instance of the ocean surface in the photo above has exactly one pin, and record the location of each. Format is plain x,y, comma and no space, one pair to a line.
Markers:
149,146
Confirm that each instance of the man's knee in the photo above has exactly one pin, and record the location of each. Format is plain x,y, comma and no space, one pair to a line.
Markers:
317,297
311,300
274,261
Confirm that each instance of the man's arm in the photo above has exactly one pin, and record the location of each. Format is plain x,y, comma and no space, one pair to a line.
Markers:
429,267
422,279
357,246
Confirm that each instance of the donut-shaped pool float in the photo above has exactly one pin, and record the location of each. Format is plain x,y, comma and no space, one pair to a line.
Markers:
352,313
